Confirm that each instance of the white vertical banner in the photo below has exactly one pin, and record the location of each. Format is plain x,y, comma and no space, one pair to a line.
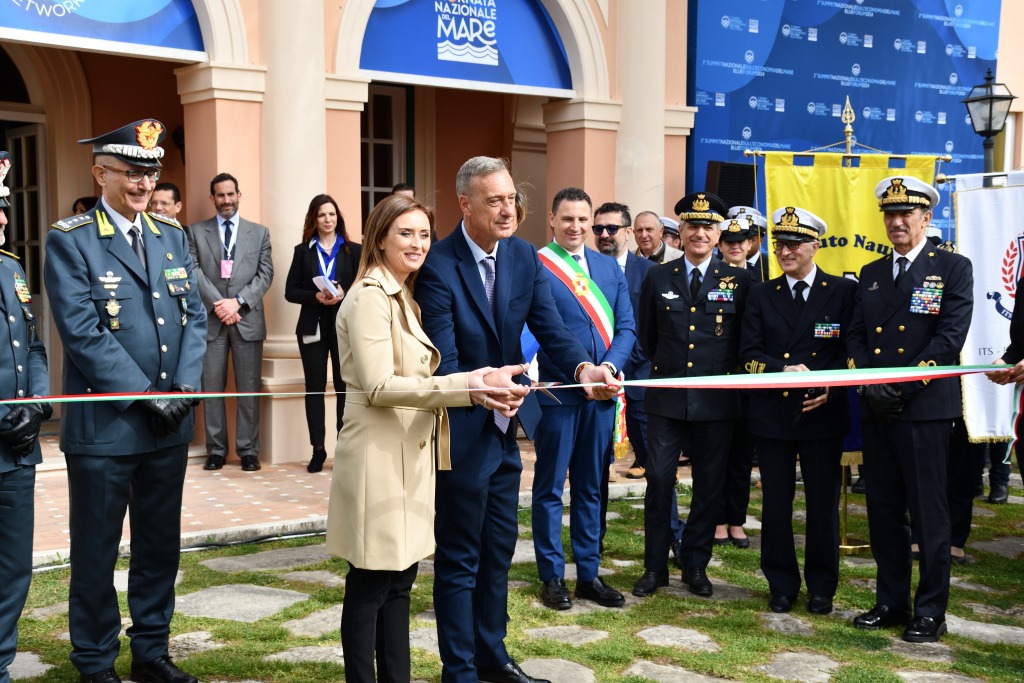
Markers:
989,232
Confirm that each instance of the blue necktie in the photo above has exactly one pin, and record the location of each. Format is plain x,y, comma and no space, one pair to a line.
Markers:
500,420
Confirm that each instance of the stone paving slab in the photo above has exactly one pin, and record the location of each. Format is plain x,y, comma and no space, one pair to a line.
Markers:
929,652
568,635
425,568
321,577
983,512
988,633
1007,546
121,580
318,623
237,602
663,673
185,645
47,611
425,639
806,667
935,677
722,590
426,615
331,654
787,624
270,560
1015,612
682,638
966,585
524,552
27,665
558,671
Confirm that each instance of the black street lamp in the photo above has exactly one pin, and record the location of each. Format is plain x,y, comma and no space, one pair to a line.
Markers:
988,106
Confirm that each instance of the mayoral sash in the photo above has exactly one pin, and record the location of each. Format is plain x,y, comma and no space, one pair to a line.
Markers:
564,267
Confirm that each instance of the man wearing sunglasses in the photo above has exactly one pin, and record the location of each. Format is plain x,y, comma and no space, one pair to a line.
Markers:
124,297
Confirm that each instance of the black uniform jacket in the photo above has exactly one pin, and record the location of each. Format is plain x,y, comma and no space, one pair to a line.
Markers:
922,322
775,335
299,287
692,338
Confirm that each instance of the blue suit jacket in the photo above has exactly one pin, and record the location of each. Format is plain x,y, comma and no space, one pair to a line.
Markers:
607,275
639,365
459,322
124,329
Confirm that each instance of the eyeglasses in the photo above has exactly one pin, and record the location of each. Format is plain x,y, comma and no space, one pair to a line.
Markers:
782,245
612,229
135,175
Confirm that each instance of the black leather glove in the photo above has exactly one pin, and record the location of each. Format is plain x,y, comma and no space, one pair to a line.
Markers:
20,427
186,389
886,400
167,413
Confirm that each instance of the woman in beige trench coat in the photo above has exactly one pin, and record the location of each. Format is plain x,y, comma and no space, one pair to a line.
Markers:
381,512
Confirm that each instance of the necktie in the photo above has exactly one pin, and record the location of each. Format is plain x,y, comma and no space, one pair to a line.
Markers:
901,263
500,420
798,295
227,240
137,245
694,283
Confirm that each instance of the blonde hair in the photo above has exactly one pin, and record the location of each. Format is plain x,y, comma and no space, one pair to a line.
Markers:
379,222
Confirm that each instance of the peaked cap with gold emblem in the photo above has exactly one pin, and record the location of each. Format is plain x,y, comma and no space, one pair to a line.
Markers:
757,222
701,208
737,229
794,224
902,193
137,143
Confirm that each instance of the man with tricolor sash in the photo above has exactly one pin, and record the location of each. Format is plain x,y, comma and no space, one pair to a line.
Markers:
574,435
913,308
689,326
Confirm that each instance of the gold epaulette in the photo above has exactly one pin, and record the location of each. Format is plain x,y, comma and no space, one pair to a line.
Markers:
68,224
851,364
7,253
925,364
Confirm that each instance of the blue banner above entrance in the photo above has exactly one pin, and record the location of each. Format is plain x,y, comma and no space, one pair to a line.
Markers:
169,27
502,45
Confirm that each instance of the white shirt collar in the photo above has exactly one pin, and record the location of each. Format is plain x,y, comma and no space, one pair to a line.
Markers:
622,259
478,253
122,223
703,268
911,255
791,281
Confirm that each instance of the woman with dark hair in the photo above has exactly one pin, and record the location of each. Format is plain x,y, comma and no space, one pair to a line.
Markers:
83,204
381,512
325,251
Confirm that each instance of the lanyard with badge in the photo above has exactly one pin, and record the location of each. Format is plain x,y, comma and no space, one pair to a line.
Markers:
327,268
227,263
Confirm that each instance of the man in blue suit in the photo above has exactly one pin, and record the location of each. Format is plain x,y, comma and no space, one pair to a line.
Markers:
574,435
125,301
22,374
477,289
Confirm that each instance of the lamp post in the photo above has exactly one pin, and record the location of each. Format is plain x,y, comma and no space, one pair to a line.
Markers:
988,105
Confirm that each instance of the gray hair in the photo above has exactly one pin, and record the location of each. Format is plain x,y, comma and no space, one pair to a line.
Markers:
478,166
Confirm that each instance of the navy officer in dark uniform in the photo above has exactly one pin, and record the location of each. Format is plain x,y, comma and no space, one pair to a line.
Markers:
794,323
123,293
689,326
22,375
913,308
756,266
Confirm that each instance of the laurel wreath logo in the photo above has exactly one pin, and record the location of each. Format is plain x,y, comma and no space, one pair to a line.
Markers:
1010,269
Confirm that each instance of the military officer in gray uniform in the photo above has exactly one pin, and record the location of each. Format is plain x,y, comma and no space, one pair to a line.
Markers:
913,308
689,326
22,375
125,301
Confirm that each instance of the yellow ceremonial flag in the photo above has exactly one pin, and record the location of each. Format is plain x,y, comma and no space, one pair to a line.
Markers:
844,197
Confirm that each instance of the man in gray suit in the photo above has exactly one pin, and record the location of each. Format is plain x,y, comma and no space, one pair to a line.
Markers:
234,265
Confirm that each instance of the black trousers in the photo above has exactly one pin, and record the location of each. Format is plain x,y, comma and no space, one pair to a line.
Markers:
375,621
906,471
708,443
314,369
819,463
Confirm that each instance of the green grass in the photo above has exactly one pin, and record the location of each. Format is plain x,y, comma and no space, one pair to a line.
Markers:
735,626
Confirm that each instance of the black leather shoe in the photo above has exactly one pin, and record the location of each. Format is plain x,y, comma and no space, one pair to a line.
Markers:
858,486
600,592
105,676
555,595
924,630
781,603
160,670
510,673
677,553
998,494
819,604
649,584
881,616
250,463
214,462
739,542
697,580
316,463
